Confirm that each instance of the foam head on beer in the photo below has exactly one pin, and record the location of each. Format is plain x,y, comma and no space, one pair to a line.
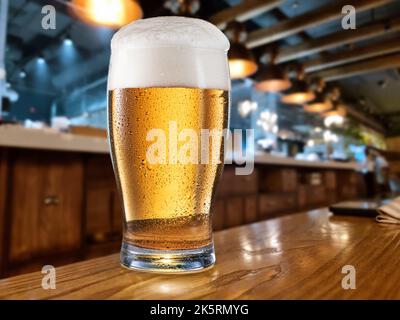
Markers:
169,52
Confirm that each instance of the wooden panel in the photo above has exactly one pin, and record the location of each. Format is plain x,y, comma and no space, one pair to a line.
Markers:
218,215
278,180
331,198
330,180
60,224
234,212
100,172
348,185
317,195
99,212
26,202
39,228
270,204
3,199
102,204
346,177
347,192
232,184
394,166
311,196
250,209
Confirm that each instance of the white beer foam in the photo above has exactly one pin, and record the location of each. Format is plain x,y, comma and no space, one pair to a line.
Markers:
169,52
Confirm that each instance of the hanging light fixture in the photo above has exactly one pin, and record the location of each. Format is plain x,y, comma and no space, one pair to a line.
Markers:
272,78
338,106
322,101
241,60
107,13
337,115
300,92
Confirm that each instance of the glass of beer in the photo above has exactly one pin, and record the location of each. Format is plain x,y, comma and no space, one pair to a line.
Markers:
168,104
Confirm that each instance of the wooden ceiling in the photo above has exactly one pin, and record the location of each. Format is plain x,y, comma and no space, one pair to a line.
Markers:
364,62
309,32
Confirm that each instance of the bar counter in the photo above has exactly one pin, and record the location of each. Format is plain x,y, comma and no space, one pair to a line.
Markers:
294,257
47,139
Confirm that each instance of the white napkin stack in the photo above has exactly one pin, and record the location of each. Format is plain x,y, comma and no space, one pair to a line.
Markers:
389,213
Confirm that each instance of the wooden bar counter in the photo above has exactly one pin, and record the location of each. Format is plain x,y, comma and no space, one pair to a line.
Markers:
59,201
293,257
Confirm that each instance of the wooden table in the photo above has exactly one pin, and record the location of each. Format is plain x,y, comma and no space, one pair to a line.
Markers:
295,257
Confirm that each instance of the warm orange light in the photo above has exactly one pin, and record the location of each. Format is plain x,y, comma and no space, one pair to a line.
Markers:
299,93
272,78
298,97
318,106
108,13
241,68
273,85
338,111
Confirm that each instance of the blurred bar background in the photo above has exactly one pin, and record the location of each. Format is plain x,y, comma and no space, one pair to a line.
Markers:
323,101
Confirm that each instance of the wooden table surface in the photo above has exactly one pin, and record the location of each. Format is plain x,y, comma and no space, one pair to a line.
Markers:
294,257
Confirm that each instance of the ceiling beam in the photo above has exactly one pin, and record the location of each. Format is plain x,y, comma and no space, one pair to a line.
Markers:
337,39
365,119
353,55
244,11
360,68
307,20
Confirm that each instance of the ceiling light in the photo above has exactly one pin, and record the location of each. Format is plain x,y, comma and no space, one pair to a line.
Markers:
333,119
241,60
300,92
41,60
22,74
68,42
335,116
108,13
272,78
321,103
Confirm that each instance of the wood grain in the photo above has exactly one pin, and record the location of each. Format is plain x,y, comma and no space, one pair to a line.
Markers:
307,20
337,39
352,55
246,10
359,68
294,257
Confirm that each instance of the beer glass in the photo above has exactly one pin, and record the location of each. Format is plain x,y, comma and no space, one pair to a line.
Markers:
168,102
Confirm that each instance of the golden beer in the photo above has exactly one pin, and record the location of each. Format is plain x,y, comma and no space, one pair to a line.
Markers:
165,166
167,205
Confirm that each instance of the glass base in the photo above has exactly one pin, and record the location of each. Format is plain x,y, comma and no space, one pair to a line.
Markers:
167,261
